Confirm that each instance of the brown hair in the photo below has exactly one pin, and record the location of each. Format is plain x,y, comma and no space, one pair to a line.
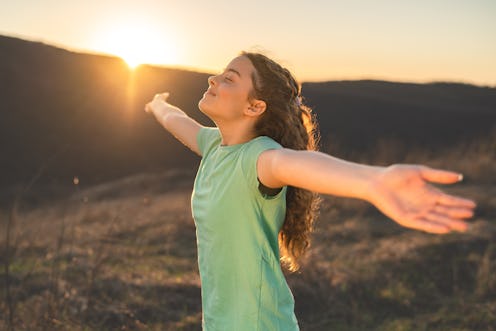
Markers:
292,124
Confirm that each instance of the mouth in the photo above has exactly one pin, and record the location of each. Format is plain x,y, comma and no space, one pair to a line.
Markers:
210,92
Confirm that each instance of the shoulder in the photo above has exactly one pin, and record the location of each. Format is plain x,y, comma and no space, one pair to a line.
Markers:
274,167
263,143
207,138
259,146
265,155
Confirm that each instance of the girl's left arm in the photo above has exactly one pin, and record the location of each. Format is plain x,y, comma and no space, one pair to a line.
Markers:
402,192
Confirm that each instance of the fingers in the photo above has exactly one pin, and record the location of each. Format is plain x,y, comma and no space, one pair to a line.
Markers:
441,219
440,176
453,201
161,97
437,224
148,108
453,224
428,226
454,212
450,212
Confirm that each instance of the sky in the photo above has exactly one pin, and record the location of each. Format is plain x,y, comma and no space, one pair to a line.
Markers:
395,40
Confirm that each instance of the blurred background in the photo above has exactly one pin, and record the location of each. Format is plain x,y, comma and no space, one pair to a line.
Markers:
95,223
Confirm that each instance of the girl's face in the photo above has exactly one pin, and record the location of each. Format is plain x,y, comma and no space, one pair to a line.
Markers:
227,96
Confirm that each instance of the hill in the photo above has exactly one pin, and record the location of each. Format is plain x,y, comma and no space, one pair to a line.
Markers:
122,256
82,115
66,114
359,113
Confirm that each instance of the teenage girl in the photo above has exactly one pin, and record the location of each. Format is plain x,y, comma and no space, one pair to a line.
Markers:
254,197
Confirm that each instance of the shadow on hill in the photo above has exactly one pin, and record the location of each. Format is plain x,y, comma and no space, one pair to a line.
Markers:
174,306
436,283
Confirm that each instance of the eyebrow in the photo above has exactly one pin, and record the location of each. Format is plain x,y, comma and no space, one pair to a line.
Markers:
233,70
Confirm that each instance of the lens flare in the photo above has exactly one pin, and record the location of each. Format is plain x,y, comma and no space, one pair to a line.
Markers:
138,43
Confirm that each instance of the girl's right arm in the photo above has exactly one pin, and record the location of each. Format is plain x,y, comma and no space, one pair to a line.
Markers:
174,120
404,193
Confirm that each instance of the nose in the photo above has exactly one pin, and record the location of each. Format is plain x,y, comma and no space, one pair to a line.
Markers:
211,80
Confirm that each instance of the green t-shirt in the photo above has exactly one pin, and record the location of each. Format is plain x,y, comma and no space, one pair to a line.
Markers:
243,287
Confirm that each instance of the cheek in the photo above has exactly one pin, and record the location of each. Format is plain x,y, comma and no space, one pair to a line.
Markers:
228,102
232,98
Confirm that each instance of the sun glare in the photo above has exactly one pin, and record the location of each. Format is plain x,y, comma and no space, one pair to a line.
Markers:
138,44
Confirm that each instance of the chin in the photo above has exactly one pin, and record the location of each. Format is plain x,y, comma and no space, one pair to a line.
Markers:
202,105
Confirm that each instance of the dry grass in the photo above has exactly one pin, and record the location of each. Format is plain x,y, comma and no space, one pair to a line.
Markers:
122,256
103,263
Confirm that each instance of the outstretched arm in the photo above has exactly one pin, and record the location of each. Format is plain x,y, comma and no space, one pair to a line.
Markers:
402,192
174,120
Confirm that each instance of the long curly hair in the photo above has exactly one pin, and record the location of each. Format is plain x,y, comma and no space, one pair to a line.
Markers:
292,124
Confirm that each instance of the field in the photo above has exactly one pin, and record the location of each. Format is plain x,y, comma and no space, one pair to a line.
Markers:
95,224
122,256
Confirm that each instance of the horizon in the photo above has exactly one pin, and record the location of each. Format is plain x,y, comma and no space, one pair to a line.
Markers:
206,71
321,41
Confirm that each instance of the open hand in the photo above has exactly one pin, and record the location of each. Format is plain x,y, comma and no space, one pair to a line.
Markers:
159,101
403,193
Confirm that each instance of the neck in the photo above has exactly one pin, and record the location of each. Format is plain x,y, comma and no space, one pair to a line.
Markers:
236,133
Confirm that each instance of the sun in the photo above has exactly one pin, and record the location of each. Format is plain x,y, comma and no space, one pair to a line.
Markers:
138,43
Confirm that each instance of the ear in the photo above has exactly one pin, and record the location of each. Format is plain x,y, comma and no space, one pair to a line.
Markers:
256,108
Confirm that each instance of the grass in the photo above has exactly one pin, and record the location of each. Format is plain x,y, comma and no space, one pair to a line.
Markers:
122,256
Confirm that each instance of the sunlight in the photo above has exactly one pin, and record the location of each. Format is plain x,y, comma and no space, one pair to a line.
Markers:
138,43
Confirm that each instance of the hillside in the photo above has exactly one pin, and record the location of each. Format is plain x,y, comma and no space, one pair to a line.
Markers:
121,255
359,113
82,115
66,114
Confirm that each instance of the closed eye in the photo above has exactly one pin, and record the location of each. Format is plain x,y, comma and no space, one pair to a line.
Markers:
228,72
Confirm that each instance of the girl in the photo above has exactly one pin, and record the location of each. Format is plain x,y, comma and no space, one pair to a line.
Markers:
252,200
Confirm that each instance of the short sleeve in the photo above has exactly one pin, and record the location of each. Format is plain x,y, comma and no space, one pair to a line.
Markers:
207,138
250,158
